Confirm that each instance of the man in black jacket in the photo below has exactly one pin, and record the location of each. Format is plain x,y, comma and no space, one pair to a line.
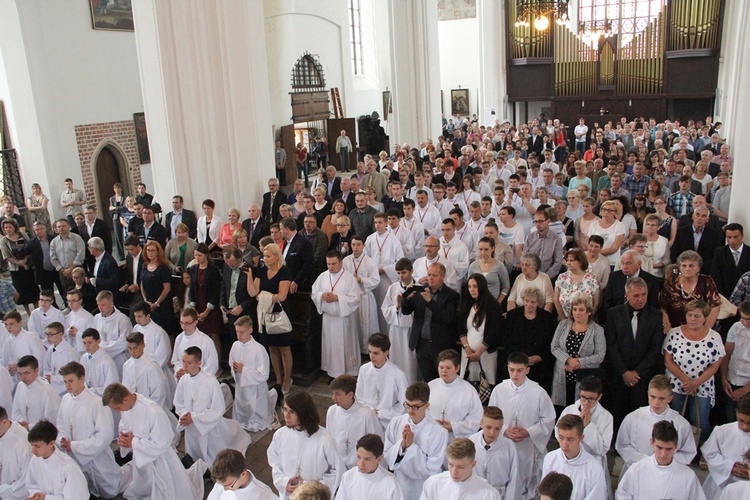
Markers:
151,230
730,261
104,273
298,255
255,226
708,240
234,299
44,272
633,357
614,293
434,326
94,227
272,200
180,214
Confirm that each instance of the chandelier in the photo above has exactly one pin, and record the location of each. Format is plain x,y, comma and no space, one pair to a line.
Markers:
539,12
595,29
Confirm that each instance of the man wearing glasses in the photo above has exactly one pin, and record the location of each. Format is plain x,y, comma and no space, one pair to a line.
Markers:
229,473
189,337
545,244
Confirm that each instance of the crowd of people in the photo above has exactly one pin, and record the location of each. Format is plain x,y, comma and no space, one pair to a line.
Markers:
505,282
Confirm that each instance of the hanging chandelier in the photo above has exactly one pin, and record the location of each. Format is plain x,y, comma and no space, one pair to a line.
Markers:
595,29
540,12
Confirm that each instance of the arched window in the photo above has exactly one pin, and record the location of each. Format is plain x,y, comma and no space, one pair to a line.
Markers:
355,32
625,18
307,74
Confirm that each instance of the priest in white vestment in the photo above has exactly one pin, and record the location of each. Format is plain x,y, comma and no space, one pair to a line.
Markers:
59,354
189,337
15,453
336,295
85,430
368,478
365,271
399,324
433,255
725,449
157,343
381,385
461,480
496,455
100,368
385,250
19,343
234,481
156,469
51,472
35,398
113,326
454,402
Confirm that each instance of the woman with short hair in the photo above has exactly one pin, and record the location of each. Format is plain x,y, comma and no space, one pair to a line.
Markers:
531,277
209,226
576,280
179,250
686,285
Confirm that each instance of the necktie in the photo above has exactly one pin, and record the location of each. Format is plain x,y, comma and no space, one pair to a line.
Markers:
634,323
736,254
252,227
486,447
89,356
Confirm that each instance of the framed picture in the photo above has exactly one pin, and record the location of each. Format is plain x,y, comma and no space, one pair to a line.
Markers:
387,104
460,101
141,138
113,15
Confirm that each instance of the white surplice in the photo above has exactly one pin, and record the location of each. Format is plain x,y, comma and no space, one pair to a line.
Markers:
498,464
527,406
18,346
113,330
726,445
470,238
385,249
254,405
55,358
254,490
34,402
634,437
88,425
15,453
367,270
430,218
406,239
382,389
458,403
156,469
379,484
399,327
422,265
313,458
210,362
647,480
417,236
424,458
735,491
100,371
58,477
144,375
348,425
340,348
210,432
6,390
81,320
39,319
457,252
584,470
441,486
159,348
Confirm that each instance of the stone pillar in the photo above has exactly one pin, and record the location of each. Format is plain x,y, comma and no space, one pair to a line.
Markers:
204,76
493,74
415,71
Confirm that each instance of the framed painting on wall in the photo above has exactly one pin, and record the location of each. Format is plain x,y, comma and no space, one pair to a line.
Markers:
141,138
113,15
460,101
387,105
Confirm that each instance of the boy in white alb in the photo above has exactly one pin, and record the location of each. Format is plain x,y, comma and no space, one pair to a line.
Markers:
381,385
365,270
113,326
399,324
231,475
35,398
189,337
723,450
157,343
455,250
739,490
15,453
348,420
141,374
460,481
496,455
529,417
368,478
6,389
414,443
59,354
410,222
385,250
100,369
397,230
454,402
634,437
735,368
574,461
44,314
660,475
52,473
19,343
254,404
77,321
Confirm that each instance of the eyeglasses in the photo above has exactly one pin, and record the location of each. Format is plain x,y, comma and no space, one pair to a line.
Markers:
414,407
539,221
588,400
231,486
288,410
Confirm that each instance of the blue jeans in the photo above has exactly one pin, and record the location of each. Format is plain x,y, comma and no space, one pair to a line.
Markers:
302,170
581,146
704,409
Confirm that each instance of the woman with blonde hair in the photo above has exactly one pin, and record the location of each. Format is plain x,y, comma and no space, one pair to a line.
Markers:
611,230
228,229
179,250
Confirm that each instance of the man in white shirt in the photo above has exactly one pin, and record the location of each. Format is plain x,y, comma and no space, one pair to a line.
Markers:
59,354
398,231
142,374
191,336
368,476
460,481
433,255
511,233
381,385
525,209
230,474
52,473
464,232
113,326
419,185
365,271
581,132
454,403
77,321
44,314
35,399
157,344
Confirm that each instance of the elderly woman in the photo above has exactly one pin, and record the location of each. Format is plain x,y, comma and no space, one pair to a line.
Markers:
179,250
531,277
21,273
692,355
480,327
343,235
687,285
250,254
577,279
299,188
87,289
285,211
579,347
228,229
657,246
209,226
529,329
611,230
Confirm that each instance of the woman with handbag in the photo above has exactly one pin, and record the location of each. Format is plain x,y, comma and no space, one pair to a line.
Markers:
274,278
481,326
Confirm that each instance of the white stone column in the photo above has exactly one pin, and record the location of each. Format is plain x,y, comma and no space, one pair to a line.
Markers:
415,71
493,73
204,76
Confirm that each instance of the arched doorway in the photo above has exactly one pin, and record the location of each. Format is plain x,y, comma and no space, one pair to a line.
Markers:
110,166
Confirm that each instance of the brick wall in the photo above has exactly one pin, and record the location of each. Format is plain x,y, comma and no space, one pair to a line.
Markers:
121,133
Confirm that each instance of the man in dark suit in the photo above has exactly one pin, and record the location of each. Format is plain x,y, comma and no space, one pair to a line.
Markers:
536,143
332,183
614,292
104,274
272,200
255,226
234,299
298,255
142,196
347,195
131,289
698,237
687,219
180,214
91,227
151,230
633,358
44,272
433,328
730,261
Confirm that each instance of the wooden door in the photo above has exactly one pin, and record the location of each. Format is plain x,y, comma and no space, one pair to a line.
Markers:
107,173
335,126
290,146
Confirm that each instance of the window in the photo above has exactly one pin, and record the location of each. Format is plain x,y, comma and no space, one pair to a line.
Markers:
627,17
355,27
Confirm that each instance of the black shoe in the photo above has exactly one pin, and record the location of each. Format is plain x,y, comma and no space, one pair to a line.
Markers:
187,461
279,395
123,460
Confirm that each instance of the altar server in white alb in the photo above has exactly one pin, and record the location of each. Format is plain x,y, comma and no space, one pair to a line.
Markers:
399,324
381,385
77,321
574,461
529,419
157,344
234,480
634,437
85,431
348,420
35,398
44,314
368,478
461,479
302,450
18,344
660,475
100,369
156,469
453,249
410,222
385,249
336,296
59,354
725,449
398,231
52,474
739,490
496,455
15,453
189,337
254,404
6,388
414,443
200,405
113,326
454,402
141,374
365,271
